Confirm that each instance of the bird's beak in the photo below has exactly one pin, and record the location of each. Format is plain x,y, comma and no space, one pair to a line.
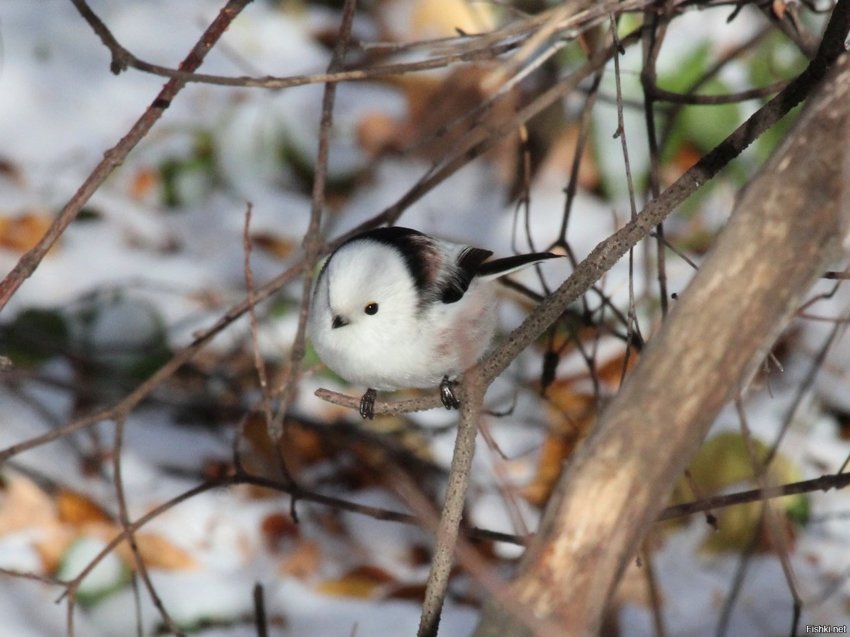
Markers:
339,321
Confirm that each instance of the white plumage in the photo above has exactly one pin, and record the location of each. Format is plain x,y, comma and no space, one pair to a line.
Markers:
394,308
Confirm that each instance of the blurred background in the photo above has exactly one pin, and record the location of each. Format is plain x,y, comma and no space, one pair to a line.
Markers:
156,257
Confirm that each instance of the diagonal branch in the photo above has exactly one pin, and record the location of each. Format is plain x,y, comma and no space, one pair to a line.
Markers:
784,231
115,156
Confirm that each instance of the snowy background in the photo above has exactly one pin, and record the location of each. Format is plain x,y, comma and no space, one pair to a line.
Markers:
157,254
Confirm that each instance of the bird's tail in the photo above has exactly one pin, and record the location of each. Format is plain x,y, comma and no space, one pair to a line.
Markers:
501,267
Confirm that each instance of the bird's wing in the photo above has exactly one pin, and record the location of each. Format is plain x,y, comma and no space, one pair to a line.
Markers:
467,265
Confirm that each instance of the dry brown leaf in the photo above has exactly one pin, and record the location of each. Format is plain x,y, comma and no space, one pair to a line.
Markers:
274,245
300,447
52,545
145,183
437,116
276,528
559,159
610,372
158,552
571,415
425,19
77,509
303,562
407,592
24,505
155,550
22,232
378,133
362,582
686,156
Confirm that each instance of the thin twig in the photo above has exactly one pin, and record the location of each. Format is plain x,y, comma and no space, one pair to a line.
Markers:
653,37
312,242
124,520
632,326
260,619
259,364
653,588
823,483
774,526
578,155
447,531
113,158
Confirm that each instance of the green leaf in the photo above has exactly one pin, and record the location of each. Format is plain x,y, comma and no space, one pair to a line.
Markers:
35,336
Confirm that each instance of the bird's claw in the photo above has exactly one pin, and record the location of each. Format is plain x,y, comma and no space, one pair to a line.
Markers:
367,404
447,394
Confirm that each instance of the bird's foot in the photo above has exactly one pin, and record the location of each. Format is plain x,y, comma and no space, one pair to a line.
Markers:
447,394
367,404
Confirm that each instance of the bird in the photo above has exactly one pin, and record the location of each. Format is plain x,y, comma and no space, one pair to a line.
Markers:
394,308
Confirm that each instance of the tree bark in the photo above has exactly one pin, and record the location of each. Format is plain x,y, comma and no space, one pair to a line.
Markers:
787,227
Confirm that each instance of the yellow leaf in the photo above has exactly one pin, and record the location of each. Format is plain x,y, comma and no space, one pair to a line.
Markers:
24,505
275,245
362,582
724,462
158,552
76,509
22,232
426,19
571,415
303,561
145,182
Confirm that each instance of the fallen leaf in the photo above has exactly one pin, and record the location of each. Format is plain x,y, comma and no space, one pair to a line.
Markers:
378,133
275,245
22,232
24,505
561,153
425,19
276,528
363,582
76,509
571,416
158,552
407,592
145,183
302,562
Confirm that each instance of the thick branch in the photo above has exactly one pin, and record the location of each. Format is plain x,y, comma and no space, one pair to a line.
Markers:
782,235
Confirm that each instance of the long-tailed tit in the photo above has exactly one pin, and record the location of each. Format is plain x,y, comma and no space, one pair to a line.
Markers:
394,308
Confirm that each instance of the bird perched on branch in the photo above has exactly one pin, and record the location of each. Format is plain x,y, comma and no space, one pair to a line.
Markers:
394,308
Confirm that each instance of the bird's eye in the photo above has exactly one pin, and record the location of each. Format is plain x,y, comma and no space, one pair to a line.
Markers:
372,308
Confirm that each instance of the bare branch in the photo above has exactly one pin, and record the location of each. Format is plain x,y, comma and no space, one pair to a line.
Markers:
115,156
715,337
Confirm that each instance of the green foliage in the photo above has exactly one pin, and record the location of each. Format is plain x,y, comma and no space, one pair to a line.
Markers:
35,336
701,127
187,178
107,578
724,462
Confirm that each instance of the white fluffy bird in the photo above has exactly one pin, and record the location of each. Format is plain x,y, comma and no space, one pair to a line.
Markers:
395,308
